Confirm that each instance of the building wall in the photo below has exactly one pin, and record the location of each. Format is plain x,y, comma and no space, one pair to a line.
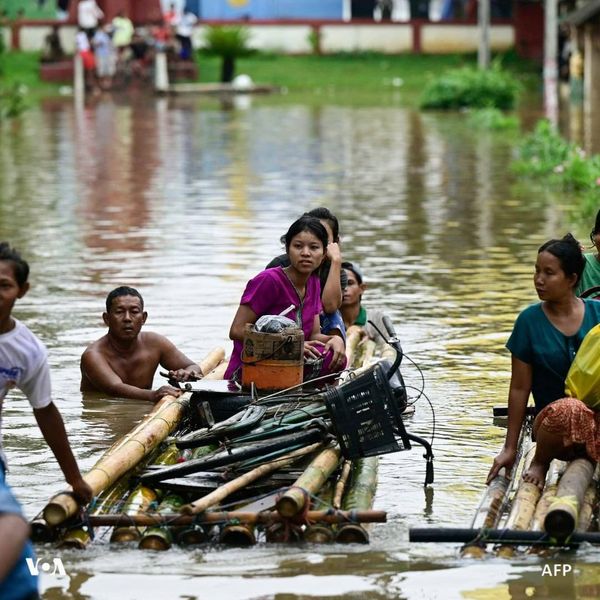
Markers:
351,38
5,33
445,39
269,9
291,39
294,38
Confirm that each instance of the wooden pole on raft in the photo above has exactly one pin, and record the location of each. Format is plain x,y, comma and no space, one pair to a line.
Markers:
324,516
523,507
561,520
123,456
238,483
360,496
295,499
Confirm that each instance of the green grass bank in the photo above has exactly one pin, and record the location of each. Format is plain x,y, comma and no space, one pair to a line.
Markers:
344,78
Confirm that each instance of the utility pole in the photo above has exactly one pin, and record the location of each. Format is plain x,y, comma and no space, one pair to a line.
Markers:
346,10
483,21
551,61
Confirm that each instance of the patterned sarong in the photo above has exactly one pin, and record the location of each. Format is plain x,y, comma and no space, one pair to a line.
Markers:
575,422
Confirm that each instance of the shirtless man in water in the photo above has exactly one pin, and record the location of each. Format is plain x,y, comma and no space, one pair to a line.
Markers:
123,362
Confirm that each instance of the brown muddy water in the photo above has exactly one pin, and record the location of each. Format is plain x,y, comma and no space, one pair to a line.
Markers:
186,200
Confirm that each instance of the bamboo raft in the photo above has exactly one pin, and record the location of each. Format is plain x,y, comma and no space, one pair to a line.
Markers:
515,516
275,471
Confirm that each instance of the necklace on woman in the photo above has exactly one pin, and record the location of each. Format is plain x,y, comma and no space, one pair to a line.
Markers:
300,295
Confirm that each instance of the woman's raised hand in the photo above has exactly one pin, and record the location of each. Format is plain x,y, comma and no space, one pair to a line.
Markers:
334,254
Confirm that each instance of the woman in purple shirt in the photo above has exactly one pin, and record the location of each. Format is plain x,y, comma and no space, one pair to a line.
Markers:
274,290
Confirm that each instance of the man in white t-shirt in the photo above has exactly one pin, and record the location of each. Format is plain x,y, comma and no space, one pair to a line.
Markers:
88,16
184,28
24,365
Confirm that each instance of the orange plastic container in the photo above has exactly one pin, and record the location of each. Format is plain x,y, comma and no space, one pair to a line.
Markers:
272,361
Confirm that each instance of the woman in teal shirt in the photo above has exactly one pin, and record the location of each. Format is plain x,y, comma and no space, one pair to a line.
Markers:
543,343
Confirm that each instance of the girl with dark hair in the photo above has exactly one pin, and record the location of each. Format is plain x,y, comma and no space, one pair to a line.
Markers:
274,290
591,274
543,343
333,279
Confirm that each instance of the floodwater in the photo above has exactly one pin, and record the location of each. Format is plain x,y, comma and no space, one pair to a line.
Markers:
186,200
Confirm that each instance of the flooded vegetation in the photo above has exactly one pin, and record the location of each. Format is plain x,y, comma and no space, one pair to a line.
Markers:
185,200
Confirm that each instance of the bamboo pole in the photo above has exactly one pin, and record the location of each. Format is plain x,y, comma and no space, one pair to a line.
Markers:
238,483
80,537
493,503
324,516
368,352
122,457
341,484
493,536
191,535
561,520
161,538
554,472
238,534
295,498
139,502
353,336
141,498
360,496
110,500
523,507
489,512
41,531
319,533
586,514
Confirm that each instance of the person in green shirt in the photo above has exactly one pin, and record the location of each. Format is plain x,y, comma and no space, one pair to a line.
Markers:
591,273
122,32
352,310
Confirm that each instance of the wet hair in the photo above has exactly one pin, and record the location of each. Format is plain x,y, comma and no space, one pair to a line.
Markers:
306,223
20,266
122,291
568,252
324,214
596,229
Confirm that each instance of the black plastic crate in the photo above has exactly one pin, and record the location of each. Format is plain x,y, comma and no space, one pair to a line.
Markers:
367,414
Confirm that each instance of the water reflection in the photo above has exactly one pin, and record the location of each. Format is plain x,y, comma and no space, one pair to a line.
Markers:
186,201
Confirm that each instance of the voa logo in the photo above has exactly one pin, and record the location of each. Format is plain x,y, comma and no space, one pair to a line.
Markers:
58,569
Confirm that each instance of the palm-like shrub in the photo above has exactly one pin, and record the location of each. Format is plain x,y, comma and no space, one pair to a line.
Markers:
473,88
230,43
